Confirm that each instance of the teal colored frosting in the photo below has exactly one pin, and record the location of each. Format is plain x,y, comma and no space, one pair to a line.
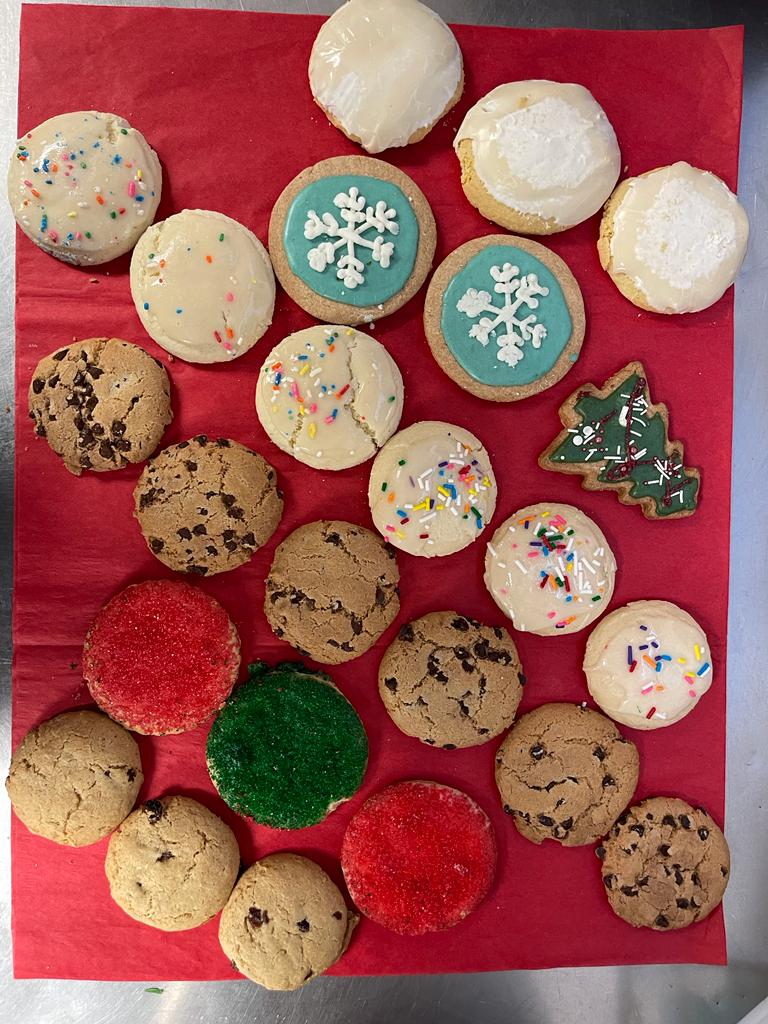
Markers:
482,361
380,282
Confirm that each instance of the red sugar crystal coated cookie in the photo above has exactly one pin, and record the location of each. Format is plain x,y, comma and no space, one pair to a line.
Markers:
161,657
418,857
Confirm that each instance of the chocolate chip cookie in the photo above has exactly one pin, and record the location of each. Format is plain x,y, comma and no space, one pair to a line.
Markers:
101,404
74,778
172,864
565,772
665,864
332,590
450,681
285,923
205,505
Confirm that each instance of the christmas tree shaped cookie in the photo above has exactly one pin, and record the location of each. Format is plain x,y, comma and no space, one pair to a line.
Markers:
618,440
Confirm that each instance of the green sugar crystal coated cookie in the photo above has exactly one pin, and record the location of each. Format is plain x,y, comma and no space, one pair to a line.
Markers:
286,747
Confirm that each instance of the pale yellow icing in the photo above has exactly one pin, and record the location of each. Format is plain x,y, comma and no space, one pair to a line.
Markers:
384,69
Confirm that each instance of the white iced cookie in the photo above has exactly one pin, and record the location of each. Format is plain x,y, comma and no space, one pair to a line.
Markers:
537,157
329,396
432,490
550,569
673,239
203,286
384,71
84,186
647,664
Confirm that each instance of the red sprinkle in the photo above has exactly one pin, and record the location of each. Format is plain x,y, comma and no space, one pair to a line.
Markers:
418,857
343,391
651,713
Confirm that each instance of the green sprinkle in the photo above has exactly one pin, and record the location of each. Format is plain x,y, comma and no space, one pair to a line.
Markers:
83,165
124,131
384,486
391,398
113,215
596,597
221,238
401,462
155,990
87,234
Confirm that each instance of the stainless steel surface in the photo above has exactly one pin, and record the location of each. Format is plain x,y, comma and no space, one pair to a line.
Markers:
652,995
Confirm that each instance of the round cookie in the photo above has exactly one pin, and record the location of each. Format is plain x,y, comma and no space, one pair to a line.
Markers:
665,864
84,186
75,777
285,922
450,681
432,490
172,864
477,331
352,239
550,569
205,506
385,71
161,657
329,396
673,239
565,773
418,857
332,590
101,404
537,156
647,664
287,747
203,286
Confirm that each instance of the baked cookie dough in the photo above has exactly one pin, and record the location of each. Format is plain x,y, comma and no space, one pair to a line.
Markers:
285,922
537,157
665,864
673,239
329,396
450,681
550,569
172,864
84,186
385,71
332,590
287,747
205,506
565,773
432,490
418,857
203,286
352,239
161,657
504,317
647,664
101,404
75,777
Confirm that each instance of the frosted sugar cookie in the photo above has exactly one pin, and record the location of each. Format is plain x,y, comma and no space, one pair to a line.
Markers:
352,239
84,186
329,396
647,664
432,490
504,317
537,157
673,239
550,569
384,71
203,286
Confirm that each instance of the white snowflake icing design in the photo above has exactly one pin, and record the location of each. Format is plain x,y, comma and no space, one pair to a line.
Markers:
524,288
358,219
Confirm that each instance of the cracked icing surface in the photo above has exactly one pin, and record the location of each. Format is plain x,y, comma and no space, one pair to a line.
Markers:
101,403
75,777
285,922
665,864
203,286
172,864
329,396
450,681
205,506
432,490
550,569
565,772
84,186
332,590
